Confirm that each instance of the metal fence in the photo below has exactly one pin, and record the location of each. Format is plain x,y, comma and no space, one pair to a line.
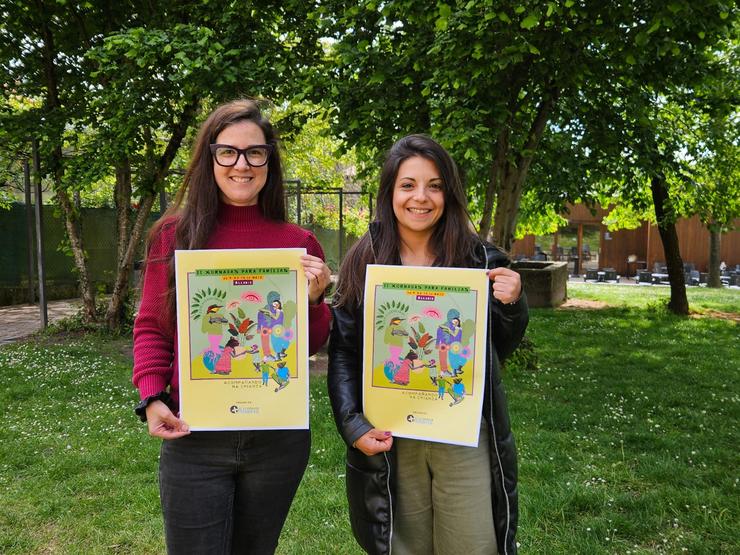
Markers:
18,243
334,236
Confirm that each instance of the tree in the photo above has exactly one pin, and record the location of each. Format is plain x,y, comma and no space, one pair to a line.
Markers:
713,146
41,55
716,194
121,89
174,68
635,137
315,158
492,82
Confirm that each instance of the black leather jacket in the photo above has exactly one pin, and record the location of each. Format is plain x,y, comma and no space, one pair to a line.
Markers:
371,480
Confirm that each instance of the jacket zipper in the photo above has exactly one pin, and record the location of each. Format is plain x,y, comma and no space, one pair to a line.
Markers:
390,501
495,446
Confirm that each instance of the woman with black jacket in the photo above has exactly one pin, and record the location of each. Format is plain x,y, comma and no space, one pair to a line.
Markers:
398,503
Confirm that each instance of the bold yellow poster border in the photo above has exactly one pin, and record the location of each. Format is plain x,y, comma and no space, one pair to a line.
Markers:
242,321
425,341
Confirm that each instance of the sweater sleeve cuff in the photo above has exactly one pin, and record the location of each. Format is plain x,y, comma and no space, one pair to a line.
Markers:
150,385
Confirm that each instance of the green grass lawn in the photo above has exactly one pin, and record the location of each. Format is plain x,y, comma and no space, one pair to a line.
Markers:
627,436
701,299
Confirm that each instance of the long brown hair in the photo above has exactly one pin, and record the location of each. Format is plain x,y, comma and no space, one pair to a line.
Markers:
453,239
195,208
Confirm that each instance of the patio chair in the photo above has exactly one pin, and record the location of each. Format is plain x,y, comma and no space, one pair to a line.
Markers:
610,274
693,277
644,276
591,274
586,252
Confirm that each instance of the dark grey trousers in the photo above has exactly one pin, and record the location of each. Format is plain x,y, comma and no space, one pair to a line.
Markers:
229,492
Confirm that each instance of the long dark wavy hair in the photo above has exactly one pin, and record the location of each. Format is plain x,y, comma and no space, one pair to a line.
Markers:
194,211
453,240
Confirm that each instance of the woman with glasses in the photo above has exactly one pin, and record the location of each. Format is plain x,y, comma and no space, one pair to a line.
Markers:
409,496
222,491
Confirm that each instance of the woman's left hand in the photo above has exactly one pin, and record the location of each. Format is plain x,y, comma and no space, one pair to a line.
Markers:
318,276
507,284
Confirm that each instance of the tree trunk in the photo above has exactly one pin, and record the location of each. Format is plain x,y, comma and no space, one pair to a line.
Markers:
714,244
516,80
71,221
666,219
71,224
116,308
514,175
507,205
152,182
122,197
496,177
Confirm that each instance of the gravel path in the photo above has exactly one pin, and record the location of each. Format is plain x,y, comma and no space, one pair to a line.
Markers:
22,320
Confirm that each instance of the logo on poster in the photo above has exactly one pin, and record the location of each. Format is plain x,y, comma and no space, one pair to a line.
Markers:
419,420
233,409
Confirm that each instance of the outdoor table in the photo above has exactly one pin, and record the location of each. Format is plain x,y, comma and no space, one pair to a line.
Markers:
657,277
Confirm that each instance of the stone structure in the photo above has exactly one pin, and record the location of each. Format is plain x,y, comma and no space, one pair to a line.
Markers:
545,283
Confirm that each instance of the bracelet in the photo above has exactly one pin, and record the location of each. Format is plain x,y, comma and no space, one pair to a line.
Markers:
140,409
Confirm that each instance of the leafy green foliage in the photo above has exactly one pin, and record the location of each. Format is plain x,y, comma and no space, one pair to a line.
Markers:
324,166
524,359
498,84
115,93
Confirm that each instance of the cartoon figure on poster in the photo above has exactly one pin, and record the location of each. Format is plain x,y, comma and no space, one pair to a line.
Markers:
222,365
275,336
230,330
452,345
391,318
407,348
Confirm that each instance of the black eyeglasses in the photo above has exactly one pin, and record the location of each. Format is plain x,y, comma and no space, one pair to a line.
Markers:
255,155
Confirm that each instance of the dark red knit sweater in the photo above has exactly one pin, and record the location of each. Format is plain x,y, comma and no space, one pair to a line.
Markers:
155,346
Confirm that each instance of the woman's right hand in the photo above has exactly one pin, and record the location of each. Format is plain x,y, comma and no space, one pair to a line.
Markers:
374,442
162,423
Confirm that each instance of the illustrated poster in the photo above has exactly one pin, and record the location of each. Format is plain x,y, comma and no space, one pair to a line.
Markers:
425,351
242,322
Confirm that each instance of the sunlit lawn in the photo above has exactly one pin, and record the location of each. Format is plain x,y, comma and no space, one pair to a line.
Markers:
701,299
627,438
